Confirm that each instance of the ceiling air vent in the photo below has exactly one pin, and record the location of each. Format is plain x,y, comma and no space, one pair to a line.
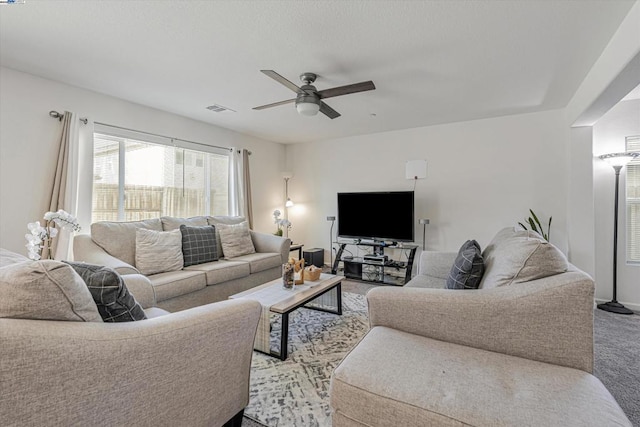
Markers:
219,108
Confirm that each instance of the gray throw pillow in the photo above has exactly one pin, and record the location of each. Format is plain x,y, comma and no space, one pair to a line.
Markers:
199,244
467,270
115,303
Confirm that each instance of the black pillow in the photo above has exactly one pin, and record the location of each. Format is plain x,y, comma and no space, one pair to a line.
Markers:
468,267
115,303
198,244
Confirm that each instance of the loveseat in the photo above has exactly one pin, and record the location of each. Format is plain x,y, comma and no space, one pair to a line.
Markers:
517,351
113,244
62,365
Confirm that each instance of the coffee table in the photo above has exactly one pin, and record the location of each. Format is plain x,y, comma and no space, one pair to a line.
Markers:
275,299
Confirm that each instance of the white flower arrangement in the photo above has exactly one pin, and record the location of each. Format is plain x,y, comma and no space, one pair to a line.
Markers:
280,222
40,237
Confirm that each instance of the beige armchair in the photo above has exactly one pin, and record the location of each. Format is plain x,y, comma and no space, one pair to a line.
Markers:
186,368
503,355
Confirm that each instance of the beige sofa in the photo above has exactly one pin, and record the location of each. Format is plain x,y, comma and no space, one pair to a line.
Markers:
173,369
112,244
516,354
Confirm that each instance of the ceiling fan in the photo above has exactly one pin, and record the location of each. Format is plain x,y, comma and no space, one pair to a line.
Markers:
309,99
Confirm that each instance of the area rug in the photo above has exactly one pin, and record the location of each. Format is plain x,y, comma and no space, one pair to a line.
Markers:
295,392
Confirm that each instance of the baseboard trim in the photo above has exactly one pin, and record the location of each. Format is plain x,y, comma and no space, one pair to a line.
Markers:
629,305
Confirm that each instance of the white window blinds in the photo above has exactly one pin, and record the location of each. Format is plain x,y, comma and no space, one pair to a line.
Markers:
633,203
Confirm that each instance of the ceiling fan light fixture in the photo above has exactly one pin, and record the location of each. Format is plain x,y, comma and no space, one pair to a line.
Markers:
307,108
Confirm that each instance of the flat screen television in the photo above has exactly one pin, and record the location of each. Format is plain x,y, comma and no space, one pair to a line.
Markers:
385,216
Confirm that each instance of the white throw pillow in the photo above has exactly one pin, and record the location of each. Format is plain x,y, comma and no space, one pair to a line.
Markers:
158,251
235,239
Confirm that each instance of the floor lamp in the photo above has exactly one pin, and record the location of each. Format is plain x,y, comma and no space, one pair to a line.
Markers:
288,202
424,223
332,219
617,160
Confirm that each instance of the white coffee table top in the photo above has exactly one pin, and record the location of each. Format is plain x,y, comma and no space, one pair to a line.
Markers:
282,300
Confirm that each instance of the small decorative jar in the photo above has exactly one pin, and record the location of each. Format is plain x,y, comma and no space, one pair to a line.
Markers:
287,276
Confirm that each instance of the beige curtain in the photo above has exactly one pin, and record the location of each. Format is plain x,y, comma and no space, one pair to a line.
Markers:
246,181
59,183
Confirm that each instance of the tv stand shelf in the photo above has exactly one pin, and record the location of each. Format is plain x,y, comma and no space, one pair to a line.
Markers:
370,269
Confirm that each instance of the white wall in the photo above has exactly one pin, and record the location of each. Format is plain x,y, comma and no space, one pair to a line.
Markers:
481,176
609,137
28,146
615,73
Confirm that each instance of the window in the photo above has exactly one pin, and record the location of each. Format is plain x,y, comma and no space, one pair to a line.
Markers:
136,179
633,203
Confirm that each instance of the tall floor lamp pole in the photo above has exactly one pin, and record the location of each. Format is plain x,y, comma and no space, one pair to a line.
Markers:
332,219
617,160
424,223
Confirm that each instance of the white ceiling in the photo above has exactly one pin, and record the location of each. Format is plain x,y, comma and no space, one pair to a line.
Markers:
431,61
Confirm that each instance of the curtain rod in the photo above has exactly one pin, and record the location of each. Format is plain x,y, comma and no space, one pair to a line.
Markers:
57,115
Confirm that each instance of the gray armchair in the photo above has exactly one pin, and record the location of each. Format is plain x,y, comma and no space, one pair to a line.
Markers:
517,354
186,368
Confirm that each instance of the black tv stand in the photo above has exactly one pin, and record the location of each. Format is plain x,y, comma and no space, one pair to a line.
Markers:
372,269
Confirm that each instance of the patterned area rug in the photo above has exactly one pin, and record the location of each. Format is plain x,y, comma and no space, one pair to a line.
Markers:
295,392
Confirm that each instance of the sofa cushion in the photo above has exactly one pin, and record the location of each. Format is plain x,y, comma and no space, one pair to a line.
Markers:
224,220
222,271
172,223
236,239
175,283
420,381
158,251
468,267
260,261
199,244
45,290
153,312
518,256
114,302
119,238
422,281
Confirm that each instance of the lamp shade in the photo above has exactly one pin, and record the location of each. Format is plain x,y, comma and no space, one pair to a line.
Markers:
307,108
619,159
289,203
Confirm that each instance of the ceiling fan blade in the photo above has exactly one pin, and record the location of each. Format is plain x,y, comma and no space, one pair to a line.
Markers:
275,104
277,77
328,111
345,90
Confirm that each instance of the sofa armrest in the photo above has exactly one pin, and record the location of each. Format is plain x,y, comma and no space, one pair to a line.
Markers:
141,288
86,250
436,264
549,320
264,242
186,368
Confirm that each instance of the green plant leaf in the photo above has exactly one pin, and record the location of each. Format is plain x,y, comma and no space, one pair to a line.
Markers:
522,225
536,220
533,225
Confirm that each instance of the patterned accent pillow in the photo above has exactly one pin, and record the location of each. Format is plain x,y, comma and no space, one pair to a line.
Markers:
158,251
468,268
115,303
236,239
199,244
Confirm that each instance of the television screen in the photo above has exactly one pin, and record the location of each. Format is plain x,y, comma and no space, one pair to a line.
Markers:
376,215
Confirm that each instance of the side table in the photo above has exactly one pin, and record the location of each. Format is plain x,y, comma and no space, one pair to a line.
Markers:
297,247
